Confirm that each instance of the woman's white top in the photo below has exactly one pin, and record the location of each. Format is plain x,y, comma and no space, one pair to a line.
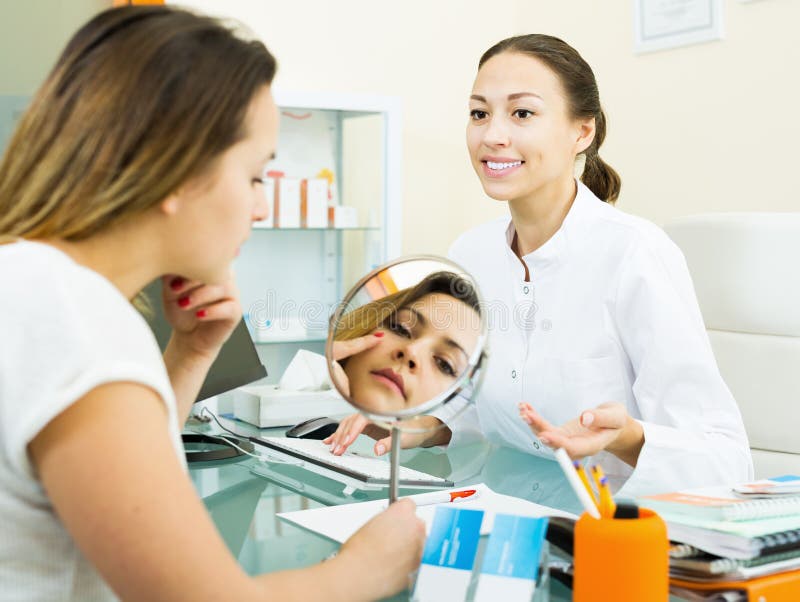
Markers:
64,330
609,314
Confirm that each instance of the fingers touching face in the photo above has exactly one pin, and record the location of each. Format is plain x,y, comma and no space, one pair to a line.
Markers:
426,348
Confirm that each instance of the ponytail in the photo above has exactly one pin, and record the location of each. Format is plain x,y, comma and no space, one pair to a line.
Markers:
601,178
598,175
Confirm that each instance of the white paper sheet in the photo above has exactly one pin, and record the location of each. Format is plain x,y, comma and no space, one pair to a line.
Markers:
340,522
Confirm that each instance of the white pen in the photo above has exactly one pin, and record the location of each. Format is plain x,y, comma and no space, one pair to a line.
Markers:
569,471
444,497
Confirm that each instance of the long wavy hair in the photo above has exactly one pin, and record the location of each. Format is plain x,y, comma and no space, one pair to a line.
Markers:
142,99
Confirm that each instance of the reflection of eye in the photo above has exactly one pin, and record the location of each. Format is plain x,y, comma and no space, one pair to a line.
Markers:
444,366
397,328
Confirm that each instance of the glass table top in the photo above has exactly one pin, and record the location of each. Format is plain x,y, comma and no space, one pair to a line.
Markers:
244,495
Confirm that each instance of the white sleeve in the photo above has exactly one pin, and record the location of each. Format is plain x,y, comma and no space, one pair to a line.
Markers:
693,430
461,418
59,349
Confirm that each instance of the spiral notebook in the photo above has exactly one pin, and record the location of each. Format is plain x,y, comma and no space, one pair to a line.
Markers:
715,567
722,503
735,539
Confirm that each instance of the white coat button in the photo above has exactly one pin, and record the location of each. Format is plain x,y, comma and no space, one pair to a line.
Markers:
536,444
513,374
526,290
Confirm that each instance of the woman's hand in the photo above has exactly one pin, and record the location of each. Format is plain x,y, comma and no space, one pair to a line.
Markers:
202,316
344,349
352,426
384,553
607,427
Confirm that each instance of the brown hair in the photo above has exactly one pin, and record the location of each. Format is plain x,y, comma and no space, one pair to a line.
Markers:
583,99
142,99
363,320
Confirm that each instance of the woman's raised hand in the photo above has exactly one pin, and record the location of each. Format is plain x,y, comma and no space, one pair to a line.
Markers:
607,427
202,316
344,349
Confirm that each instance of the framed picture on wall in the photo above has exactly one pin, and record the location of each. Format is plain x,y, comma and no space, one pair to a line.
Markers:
663,24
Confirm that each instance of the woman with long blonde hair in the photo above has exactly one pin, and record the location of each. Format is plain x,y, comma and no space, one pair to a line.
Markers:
140,157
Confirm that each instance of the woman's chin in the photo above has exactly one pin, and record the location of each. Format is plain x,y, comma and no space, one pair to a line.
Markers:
379,400
497,192
217,276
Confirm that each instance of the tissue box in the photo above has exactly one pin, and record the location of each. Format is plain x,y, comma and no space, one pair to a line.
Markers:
314,203
269,406
308,371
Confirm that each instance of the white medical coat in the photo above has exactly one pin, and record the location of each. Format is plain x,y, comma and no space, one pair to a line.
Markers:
609,314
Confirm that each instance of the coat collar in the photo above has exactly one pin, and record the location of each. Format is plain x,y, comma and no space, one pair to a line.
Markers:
556,248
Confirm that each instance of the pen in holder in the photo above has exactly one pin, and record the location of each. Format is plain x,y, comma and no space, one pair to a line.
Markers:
621,559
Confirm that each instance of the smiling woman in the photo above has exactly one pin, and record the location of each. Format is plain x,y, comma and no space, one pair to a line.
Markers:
608,343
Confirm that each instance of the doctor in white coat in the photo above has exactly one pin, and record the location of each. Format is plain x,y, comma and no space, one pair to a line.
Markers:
597,342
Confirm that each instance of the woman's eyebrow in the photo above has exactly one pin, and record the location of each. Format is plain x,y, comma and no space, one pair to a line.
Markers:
523,95
417,316
513,96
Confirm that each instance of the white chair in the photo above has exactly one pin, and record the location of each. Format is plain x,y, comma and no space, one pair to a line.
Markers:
746,271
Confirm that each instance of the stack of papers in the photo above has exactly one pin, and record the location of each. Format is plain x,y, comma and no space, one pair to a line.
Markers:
787,485
340,522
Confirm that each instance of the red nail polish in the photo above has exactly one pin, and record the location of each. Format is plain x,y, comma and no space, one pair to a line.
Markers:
379,334
176,283
201,313
184,301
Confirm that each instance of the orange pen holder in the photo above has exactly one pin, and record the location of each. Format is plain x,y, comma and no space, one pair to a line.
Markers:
621,559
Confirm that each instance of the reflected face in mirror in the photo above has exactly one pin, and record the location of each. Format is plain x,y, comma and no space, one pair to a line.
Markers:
426,347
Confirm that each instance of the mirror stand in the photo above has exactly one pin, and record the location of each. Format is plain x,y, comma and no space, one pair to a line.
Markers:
395,464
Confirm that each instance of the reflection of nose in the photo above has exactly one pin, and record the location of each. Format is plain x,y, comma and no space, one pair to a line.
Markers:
407,355
495,134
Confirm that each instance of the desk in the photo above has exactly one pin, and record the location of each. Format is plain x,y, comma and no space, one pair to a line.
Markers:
244,504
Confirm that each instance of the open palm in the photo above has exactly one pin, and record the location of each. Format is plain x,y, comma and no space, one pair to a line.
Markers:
593,431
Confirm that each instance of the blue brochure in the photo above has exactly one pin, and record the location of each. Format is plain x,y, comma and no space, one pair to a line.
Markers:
511,562
449,555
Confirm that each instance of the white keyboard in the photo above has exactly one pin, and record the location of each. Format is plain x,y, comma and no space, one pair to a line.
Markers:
370,470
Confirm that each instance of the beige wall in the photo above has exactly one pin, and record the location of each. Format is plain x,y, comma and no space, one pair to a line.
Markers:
32,35
709,127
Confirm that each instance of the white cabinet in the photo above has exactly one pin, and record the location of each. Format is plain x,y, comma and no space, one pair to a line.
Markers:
291,278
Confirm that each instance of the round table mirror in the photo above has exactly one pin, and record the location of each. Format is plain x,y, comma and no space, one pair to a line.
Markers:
428,314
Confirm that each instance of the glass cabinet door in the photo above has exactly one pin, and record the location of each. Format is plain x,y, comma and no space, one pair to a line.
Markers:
298,263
